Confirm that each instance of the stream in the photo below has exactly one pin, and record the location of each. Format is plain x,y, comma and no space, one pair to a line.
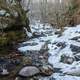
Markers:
58,46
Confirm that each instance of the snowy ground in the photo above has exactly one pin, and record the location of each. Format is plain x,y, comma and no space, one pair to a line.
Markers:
70,36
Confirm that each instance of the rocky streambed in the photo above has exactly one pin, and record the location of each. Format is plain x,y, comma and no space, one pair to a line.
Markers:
48,55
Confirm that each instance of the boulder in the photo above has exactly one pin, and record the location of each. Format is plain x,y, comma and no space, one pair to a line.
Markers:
28,71
46,70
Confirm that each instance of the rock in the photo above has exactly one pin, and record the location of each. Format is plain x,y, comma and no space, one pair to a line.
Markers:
17,61
10,66
77,57
66,59
37,34
57,70
1,70
44,48
27,60
58,32
46,70
52,78
4,72
28,71
75,48
3,60
77,38
62,45
16,78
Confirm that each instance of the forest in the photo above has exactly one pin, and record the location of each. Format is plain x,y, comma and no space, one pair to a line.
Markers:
39,39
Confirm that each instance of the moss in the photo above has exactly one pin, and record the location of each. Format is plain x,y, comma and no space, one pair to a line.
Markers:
10,39
3,41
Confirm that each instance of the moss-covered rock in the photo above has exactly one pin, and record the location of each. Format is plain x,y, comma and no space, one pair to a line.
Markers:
9,40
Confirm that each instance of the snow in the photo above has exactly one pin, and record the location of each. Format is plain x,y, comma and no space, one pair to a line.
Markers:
2,12
25,48
69,71
28,33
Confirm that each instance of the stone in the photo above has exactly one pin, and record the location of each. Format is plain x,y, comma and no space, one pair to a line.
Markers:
37,34
28,71
77,57
52,78
46,70
75,48
58,32
4,72
16,78
77,38
17,61
66,59
27,60
62,45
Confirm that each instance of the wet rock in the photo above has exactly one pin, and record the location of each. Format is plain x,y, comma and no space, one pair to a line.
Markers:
77,57
62,45
28,71
58,32
4,72
44,48
3,60
57,70
76,38
46,70
14,62
52,78
37,34
75,48
17,61
28,44
1,70
66,59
